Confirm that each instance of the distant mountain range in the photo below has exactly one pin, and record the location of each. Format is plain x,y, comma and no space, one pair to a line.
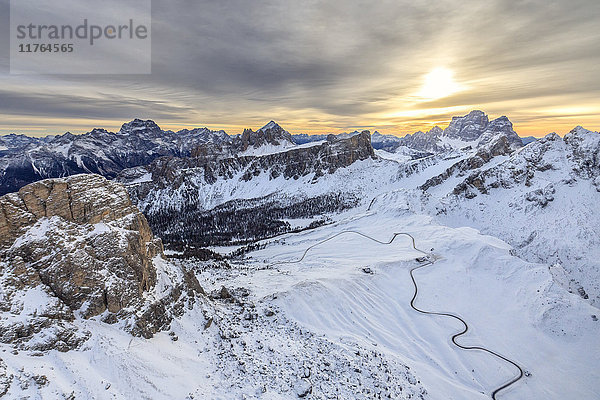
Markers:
25,159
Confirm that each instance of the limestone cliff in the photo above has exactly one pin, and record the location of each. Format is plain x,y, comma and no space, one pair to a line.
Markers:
72,248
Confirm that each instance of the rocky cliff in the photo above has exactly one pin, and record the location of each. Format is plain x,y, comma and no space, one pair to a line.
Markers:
498,146
177,194
471,130
73,248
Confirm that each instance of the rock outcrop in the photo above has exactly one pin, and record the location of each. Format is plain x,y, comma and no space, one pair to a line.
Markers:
500,127
270,134
176,194
499,146
425,141
72,248
471,130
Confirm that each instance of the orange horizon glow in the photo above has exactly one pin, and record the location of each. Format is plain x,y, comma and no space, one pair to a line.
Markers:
537,126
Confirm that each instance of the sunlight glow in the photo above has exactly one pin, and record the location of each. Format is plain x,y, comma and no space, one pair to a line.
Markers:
438,83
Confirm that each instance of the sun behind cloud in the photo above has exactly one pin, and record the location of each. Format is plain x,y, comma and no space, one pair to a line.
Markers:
439,83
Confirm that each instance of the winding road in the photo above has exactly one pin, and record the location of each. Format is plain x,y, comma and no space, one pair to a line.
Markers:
429,262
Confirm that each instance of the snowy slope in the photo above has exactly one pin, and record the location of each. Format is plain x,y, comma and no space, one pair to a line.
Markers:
512,306
323,327
542,200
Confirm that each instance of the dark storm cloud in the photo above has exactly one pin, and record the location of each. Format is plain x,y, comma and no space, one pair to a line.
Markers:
268,45
299,54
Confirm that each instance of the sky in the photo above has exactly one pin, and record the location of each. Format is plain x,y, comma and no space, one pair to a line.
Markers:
331,66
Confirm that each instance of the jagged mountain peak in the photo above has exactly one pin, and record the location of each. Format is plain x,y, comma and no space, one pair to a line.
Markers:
586,147
471,130
468,127
95,131
436,130
474,114
271,125
500,127
275,131
272,134
205,134
139,125
581,131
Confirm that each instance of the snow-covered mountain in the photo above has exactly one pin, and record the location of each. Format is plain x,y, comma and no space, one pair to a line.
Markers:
11,144
250,192
261,195
25,159
542,199
99,151
471,130
295,269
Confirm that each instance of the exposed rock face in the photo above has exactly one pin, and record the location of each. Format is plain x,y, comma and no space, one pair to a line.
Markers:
326,158
473,129
500,146
71,247
500,127
271,133
56,209
468,127
25,160
425,141
149,127
189,192
585,154
388,143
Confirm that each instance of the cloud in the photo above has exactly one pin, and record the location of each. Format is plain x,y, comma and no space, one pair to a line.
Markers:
333,63
71,106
